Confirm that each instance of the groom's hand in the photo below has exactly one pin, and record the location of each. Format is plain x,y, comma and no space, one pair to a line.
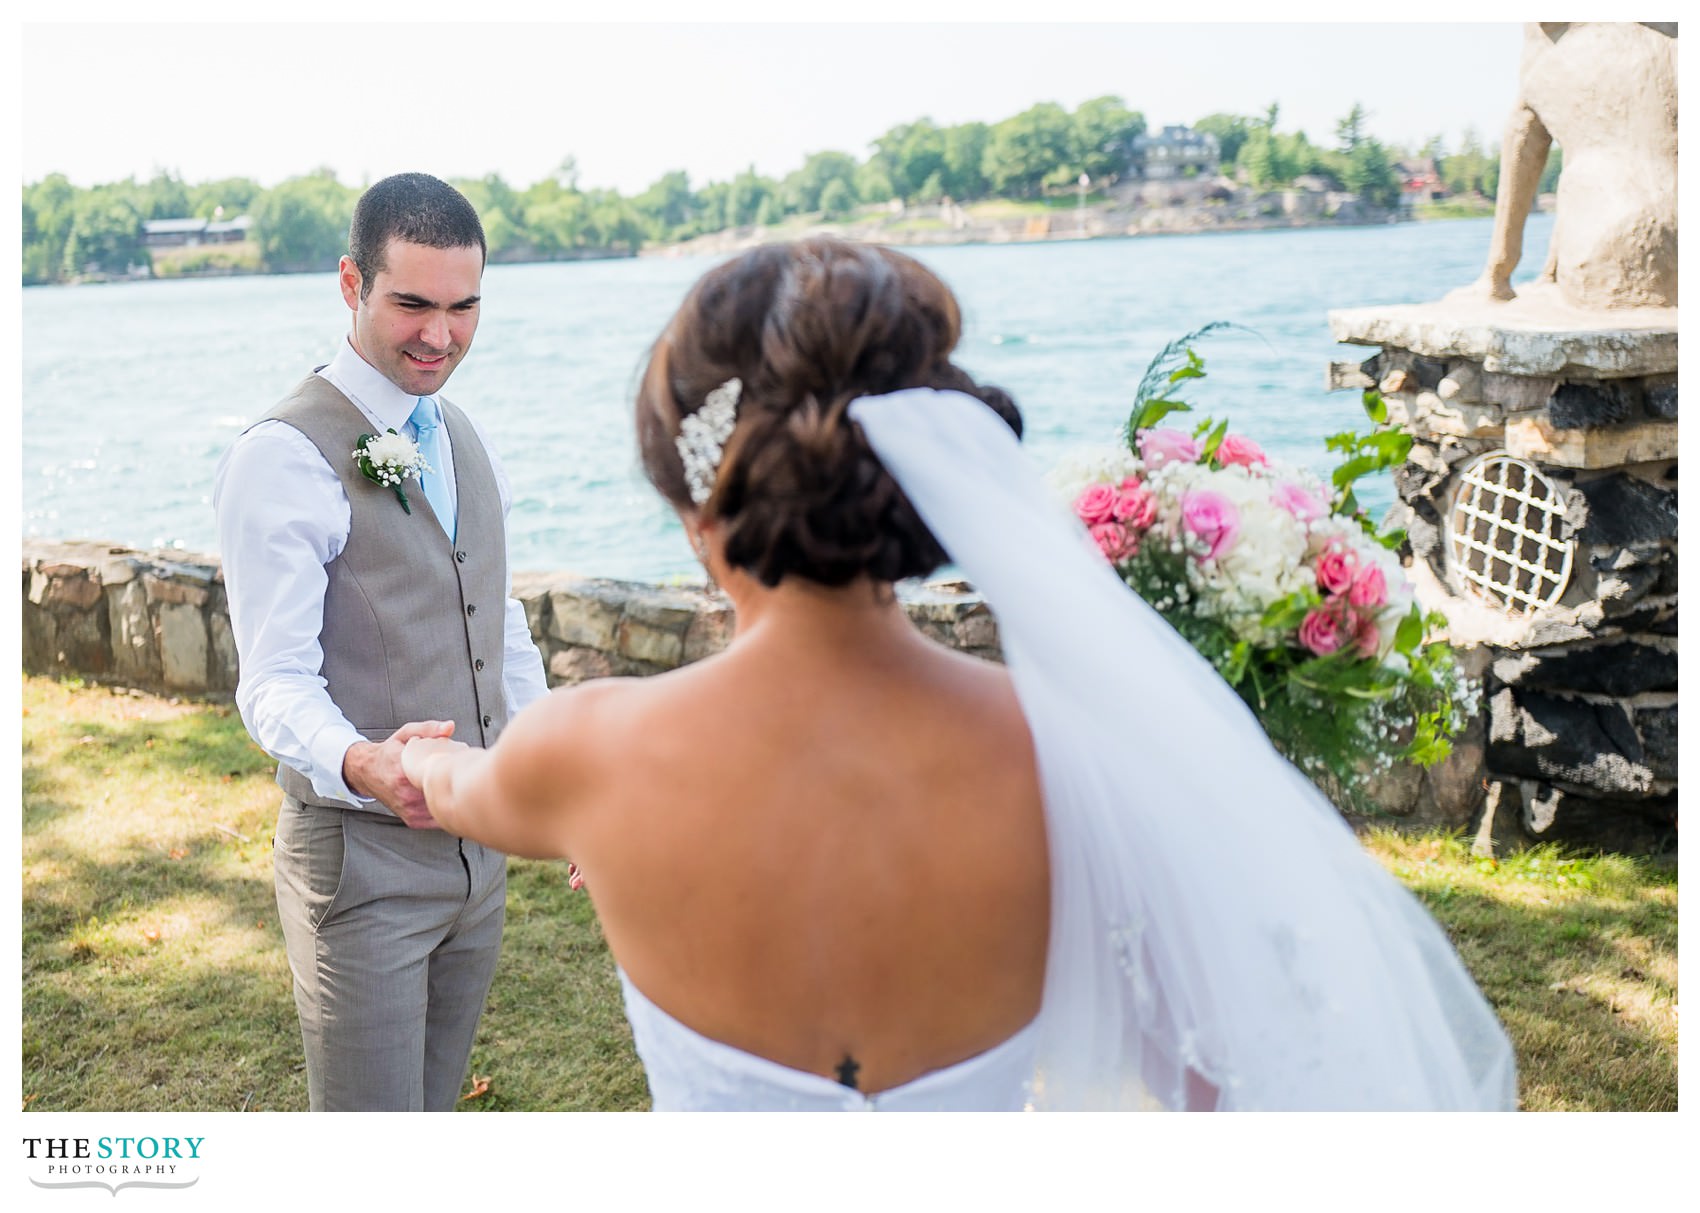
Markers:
373,768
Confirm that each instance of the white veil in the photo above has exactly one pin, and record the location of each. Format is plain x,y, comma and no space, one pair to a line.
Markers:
1218,938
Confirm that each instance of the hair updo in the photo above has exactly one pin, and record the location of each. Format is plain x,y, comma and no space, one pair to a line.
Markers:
807,327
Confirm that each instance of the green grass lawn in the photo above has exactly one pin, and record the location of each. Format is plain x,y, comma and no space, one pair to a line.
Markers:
154,975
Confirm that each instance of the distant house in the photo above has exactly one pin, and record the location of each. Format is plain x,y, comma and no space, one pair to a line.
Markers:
186,233
1419,181
1177,151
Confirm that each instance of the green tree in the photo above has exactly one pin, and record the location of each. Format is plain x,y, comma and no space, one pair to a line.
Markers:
667,207
1296,155
1260,159
1350,130
235,195
712,206
554,215
964,153
1368,172
302,223
1470,170
500,210
1104,132
1550,174
164,197
48,212
836,200
745,195
911,154
612,222
1231,131
873,183
801,190
1025,149
106,232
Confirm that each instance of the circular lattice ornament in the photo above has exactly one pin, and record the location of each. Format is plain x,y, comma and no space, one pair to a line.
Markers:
1506,537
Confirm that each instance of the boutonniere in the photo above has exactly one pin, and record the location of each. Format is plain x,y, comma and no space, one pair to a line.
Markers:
389,458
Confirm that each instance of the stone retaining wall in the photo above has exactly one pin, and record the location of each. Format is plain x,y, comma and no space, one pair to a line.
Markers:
160,621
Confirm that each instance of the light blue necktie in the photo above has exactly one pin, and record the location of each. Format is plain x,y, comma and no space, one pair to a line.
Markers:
436,485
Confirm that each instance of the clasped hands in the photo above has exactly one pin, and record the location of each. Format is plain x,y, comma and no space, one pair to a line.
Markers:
392,771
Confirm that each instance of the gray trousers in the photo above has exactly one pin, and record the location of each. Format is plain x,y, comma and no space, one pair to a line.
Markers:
392,937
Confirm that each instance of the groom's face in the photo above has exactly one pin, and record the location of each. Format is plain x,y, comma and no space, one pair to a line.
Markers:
415,320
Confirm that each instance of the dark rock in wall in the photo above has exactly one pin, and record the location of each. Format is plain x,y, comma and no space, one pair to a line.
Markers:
1552,739
1661,401
1645,827
1424,538
1620,669
1620,590
1576,406
1411,481
1428,371
1667,573
1658,735
1621,511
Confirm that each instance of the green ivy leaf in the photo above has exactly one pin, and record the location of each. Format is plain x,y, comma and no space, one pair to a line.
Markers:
1410,632
1153,412
1212,442
1375,406
1352,469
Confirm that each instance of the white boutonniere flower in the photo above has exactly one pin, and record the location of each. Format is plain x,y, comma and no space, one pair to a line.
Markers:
388,459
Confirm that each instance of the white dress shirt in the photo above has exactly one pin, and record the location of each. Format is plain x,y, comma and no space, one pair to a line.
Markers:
282,517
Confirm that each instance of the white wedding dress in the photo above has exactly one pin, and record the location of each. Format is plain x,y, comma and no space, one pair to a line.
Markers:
689,1072
1218,938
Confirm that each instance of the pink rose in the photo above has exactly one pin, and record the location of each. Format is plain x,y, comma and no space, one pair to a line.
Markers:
1320,632
1114,541
1235,449
1135,505
1300,502
1336,568
1096,504
1368,637
1369,587
1160,446
1212,518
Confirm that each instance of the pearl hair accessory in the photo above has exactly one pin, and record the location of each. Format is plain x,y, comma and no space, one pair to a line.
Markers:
702,437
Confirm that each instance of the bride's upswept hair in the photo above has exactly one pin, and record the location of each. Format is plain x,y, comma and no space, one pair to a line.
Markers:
807,327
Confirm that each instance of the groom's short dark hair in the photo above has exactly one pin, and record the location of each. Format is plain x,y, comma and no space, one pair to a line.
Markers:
415,207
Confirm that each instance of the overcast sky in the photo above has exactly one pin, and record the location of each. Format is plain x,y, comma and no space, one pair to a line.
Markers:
367,98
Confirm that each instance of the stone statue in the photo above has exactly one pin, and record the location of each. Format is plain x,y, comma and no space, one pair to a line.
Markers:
1606,92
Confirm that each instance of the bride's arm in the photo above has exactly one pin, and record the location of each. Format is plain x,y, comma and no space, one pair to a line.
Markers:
517,796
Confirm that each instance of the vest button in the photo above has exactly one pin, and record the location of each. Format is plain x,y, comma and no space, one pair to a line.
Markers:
478,664
460,557
486,722
471,609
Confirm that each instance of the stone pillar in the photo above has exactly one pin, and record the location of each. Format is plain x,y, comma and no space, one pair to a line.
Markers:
1540,504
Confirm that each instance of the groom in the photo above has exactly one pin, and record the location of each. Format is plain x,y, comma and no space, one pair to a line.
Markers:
361,622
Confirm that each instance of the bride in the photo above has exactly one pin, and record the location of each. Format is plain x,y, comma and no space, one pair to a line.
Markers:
842,867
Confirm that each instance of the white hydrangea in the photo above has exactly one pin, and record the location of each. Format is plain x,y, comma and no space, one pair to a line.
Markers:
389,458
393,449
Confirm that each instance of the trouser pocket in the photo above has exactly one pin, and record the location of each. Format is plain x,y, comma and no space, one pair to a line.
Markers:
312,858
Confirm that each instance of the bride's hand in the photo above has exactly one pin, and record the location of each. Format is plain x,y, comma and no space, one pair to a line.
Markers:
418,755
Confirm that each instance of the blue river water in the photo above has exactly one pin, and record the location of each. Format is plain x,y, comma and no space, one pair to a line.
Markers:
131,391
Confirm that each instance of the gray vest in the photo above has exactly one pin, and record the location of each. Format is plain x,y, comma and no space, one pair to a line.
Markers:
413,626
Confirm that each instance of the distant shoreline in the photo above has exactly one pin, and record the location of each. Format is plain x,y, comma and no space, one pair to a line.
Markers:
1093,223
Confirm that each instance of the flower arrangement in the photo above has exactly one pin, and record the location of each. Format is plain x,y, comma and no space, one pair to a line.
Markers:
388,459
1281,581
